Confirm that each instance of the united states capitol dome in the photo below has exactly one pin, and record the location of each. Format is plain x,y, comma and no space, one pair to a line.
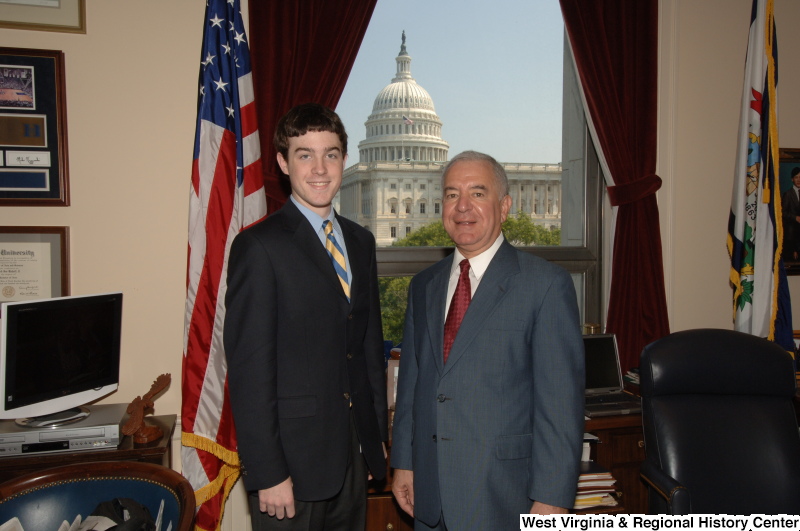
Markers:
403,124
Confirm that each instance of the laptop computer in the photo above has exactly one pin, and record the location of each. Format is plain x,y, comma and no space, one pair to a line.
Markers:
604,385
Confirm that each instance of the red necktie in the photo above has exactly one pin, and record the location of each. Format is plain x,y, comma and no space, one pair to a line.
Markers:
458,307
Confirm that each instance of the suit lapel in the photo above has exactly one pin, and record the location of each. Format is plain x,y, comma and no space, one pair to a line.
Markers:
493,288
307,240
435,295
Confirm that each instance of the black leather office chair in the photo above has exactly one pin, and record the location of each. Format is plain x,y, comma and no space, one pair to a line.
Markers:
720,428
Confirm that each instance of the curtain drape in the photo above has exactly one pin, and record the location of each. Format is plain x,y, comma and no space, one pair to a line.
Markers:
302,51
615,45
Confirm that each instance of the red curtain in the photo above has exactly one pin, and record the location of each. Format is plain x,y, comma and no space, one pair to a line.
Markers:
615,44
302,51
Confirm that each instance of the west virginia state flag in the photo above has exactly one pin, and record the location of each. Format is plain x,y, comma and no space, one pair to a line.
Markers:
761,305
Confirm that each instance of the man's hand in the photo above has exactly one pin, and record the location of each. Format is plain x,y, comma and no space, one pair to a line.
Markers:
403,489
278,501
543,508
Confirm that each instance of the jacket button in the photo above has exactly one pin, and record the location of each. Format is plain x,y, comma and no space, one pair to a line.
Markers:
434,437
347,396
350,317
349,355
441,398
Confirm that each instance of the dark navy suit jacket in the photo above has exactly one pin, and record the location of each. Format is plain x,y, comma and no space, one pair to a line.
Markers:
299,353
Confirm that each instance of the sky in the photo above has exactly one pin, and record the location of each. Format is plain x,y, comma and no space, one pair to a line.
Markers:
494,75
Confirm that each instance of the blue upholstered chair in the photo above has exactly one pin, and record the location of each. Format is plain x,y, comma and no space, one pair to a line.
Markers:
720,427
42,500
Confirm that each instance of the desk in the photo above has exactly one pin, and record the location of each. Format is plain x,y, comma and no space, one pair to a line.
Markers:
158,452
620,449
383,513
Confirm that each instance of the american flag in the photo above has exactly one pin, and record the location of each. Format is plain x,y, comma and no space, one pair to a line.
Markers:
407,121
226,195
761,304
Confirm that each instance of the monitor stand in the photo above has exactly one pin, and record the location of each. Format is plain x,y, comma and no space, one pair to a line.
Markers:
54,420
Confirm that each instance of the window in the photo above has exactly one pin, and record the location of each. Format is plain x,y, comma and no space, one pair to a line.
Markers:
408,186
393,186
560,192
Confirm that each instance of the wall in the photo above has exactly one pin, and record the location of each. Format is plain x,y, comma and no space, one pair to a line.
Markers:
131,85
702,68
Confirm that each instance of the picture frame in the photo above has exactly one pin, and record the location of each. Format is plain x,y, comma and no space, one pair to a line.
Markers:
65,16
789,163
34,263
392,369
34,167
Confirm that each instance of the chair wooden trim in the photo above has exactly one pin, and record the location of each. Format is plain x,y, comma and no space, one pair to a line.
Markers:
162,476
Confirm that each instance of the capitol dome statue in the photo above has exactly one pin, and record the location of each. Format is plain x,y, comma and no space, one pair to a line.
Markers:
403,124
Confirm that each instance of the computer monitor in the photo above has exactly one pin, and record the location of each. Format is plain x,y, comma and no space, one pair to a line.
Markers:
58,354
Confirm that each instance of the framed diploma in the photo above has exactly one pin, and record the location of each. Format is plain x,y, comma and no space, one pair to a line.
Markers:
67,16
34,263
33,128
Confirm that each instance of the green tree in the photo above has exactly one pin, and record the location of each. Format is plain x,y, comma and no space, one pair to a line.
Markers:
518,229
430,235
521,230
393,293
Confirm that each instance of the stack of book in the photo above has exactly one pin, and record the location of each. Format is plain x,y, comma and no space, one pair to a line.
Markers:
595,487
632,376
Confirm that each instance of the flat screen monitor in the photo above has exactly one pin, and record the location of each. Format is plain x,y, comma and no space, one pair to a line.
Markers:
58,354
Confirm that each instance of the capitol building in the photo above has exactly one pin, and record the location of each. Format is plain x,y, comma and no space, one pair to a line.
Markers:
395,188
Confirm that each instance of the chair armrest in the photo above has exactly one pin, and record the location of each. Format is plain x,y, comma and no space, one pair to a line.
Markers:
673,493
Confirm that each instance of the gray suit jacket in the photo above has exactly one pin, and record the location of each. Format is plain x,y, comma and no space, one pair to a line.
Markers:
501,424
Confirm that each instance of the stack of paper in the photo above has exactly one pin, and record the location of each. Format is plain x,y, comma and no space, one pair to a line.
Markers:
595,487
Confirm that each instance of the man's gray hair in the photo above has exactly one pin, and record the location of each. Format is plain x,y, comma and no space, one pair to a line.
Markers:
500,177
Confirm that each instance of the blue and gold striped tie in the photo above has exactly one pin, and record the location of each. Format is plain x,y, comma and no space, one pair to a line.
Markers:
337,256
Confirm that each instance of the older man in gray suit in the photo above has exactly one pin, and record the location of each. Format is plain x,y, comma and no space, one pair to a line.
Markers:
489,411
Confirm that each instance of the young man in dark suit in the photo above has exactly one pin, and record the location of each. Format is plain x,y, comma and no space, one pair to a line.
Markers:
304,344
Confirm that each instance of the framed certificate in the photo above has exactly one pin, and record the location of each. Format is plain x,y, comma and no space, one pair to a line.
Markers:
33,128
67,16
34,263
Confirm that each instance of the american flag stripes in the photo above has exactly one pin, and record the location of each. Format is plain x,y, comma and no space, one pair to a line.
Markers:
761,305
226,195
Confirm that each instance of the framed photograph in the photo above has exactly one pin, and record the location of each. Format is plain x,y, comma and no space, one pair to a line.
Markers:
789,160
68,16
34,169
34,263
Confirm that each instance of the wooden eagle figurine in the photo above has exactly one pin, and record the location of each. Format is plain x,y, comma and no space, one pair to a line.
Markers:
139,407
